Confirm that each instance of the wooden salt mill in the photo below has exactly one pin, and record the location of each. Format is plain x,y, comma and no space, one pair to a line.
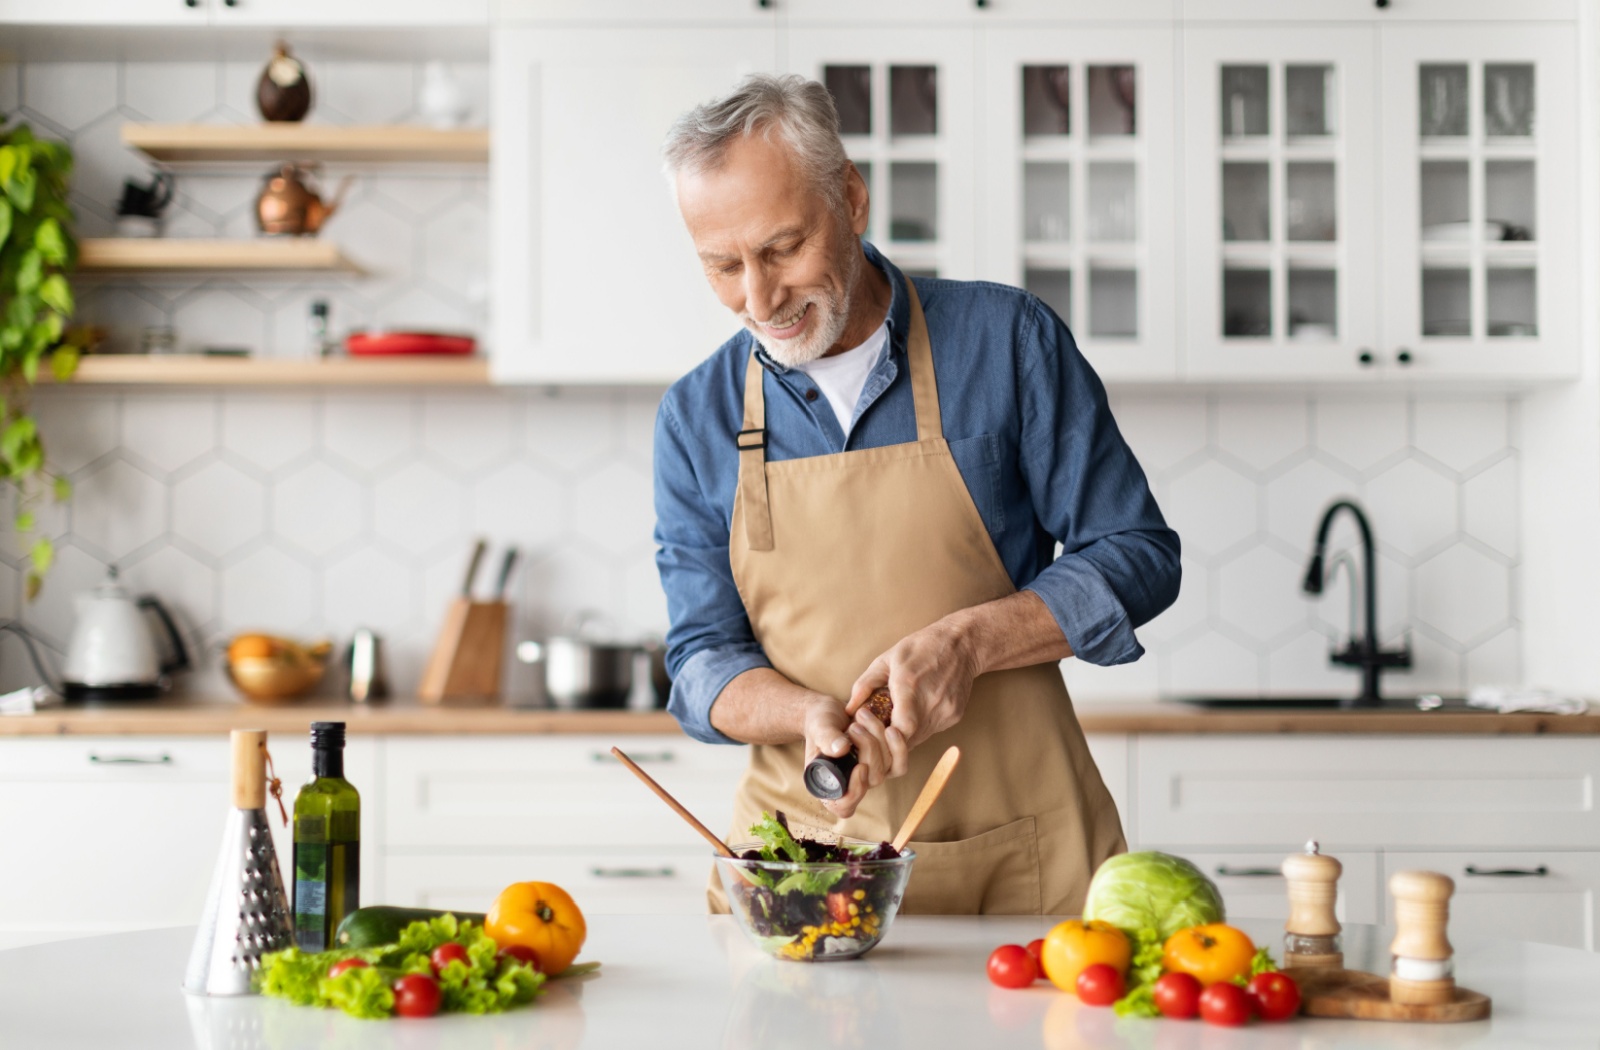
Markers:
1424,971
1311,934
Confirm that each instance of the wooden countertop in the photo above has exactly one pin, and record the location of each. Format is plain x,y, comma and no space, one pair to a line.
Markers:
198,718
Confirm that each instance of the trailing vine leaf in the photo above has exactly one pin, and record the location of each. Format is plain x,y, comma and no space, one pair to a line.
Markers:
25,521
5,221
61,488
51,242
42,554
56,293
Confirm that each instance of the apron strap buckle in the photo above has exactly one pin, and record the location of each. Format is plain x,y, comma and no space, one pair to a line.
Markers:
759,442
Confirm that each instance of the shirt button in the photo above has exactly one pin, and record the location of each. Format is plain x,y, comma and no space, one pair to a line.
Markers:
811,395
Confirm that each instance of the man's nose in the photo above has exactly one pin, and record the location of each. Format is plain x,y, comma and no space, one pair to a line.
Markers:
760,293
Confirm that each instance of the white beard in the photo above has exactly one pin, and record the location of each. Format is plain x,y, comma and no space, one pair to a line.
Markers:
831,314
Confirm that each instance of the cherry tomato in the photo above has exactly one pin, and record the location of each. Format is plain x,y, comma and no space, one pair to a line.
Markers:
1010,966
1275,995
1036,949
520,952
346,964
1226,1004
446,953
1100,985
1177,995
416,995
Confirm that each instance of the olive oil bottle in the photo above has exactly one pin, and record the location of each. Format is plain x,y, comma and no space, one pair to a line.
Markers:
327,843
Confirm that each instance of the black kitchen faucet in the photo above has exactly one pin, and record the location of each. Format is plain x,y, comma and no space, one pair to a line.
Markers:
1363,652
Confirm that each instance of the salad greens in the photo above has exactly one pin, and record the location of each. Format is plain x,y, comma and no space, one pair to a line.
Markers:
485,983
779,845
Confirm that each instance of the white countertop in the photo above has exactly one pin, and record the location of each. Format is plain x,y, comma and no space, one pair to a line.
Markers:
689,981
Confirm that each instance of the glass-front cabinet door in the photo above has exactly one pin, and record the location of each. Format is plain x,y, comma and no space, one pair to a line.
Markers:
906,114
1278,185
1077,186
1479,193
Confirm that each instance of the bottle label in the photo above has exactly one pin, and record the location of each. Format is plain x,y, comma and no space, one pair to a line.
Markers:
311,896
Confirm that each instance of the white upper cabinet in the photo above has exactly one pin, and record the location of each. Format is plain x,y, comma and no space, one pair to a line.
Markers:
1279,176
283,14
1076,188
1479,195
636,12
595,278
906,102
1382,11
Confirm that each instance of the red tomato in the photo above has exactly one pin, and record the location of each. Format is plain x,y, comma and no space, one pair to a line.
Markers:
520,952
1225,1004
1036,949
346,964
1100,985
1010,966
446,953
416,995
1275,995
1177,995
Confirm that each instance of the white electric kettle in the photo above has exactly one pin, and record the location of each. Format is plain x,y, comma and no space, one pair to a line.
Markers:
113,654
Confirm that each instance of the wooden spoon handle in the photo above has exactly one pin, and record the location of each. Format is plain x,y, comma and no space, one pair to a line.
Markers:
677,807
930,795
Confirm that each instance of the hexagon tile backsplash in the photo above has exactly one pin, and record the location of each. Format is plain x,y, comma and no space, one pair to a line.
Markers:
313,513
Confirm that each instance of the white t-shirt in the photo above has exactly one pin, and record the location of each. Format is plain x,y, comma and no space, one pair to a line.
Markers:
842,377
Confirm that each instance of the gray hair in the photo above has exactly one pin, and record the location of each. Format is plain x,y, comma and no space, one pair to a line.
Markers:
800,110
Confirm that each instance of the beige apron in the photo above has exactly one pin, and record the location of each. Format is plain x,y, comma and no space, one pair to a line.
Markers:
838,557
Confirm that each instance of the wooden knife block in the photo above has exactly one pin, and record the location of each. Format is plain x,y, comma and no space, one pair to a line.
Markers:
466,662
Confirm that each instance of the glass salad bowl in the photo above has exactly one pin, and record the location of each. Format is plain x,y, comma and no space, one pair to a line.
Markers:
815,911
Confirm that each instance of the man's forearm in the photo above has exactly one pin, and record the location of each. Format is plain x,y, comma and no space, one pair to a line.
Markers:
1015,631
761,706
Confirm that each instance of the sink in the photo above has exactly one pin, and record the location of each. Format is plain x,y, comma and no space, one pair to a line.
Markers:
1329,703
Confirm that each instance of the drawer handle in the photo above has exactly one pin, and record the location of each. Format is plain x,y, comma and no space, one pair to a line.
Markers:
633,873
638,756
1248,873
1508,873
162,759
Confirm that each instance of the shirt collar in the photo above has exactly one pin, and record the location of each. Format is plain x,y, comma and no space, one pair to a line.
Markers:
899,311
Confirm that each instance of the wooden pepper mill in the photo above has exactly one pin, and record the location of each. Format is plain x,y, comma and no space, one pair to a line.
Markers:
1311,934
1424,972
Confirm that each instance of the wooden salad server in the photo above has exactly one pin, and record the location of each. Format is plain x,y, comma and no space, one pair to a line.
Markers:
930,794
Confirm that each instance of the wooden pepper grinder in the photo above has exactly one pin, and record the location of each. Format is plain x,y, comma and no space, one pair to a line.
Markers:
1311,935
1424,971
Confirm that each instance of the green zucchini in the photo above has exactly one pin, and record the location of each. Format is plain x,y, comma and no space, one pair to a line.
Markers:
381,924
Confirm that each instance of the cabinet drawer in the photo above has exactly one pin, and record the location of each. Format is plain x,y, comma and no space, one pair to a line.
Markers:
107,834
1348,792
665,882
1253,887
1548,897
553,792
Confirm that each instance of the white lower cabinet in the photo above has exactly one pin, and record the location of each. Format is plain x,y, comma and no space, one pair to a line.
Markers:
661,882
1550,897
1253,887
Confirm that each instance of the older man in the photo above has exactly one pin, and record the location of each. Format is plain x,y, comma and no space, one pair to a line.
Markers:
865,487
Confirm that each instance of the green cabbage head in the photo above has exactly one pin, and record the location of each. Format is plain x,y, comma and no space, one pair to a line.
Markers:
1152,891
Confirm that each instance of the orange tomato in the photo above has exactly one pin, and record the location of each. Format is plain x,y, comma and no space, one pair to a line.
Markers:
540,916
1074,945
1211,953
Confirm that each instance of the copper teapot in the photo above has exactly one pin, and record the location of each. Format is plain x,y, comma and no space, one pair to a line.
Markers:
287,205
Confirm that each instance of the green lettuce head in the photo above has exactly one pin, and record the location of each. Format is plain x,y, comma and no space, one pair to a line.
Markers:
1152,891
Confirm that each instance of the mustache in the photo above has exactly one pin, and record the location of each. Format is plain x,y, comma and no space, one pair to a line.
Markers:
750,321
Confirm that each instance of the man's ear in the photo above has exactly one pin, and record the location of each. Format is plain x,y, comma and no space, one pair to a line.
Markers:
856,198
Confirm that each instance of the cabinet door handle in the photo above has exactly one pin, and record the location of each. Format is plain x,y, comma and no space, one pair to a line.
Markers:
1364,358
191,3
1248,873
1507,873
634,873
162,759
640,757
1403,357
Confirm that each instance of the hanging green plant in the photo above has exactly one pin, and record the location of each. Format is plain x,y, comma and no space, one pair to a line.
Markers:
37,252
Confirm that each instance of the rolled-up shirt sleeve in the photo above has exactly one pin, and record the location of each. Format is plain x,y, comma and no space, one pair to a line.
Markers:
710,642
1119,563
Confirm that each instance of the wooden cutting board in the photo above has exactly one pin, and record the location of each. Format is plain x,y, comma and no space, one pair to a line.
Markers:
1365,997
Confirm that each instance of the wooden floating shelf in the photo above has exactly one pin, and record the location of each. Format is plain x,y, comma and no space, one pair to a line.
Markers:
224,143
202,370
196,255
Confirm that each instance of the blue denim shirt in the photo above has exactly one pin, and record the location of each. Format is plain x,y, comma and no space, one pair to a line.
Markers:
1028,426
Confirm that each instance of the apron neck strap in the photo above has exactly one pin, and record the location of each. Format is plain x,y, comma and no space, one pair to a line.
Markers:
919,360
752,441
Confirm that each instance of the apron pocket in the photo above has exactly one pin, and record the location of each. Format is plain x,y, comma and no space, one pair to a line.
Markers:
996,873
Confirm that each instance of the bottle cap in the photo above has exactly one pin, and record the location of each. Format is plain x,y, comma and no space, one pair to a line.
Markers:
327,735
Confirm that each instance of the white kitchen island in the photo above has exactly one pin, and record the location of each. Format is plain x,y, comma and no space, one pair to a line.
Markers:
686,981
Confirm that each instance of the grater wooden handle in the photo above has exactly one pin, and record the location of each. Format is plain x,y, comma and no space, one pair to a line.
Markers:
249,768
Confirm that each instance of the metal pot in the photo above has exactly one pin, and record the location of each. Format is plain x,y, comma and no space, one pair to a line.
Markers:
580,673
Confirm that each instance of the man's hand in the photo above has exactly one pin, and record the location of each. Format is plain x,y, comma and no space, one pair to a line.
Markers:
830,731
929,673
